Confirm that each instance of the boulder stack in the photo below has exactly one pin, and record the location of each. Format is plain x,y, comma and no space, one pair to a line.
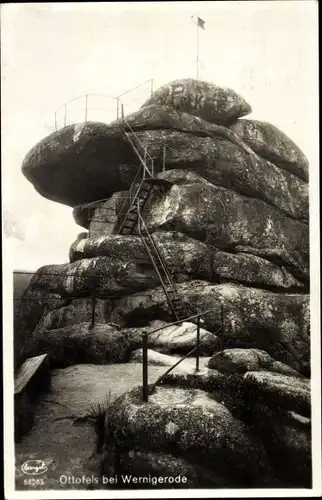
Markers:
231,224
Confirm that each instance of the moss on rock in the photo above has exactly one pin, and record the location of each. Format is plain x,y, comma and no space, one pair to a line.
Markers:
190,423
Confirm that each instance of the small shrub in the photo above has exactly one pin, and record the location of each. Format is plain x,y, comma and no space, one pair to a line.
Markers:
98,414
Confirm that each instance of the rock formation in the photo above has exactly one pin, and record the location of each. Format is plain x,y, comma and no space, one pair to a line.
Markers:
228,213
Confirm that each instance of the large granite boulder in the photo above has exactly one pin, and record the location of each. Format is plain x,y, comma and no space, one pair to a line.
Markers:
280,391
75,311
33,305
289,441
82,343
113,165
156,116
194,426
271,143
286,436
244,360
76,163
206,100
252,270
225,164
184,255
218,217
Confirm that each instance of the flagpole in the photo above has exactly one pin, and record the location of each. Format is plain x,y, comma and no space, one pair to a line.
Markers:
197,49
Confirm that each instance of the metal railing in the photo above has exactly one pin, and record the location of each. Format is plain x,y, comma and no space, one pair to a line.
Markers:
85,108
146,390
160,266
127,128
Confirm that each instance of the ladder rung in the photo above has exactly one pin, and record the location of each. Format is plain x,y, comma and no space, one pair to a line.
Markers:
143,196
175,295
145,188
127,222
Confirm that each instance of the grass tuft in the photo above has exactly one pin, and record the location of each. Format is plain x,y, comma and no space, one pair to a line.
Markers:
99,414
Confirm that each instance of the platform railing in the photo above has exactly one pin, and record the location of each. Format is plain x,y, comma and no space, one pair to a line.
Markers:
110,108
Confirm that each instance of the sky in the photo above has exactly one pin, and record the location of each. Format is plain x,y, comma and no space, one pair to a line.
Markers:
54,52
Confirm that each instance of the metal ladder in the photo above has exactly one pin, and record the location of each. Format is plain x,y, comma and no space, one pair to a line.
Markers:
143,184
168,284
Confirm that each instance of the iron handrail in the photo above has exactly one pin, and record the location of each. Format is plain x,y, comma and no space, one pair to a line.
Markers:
136,137
137,87
160,258
173,323
169,370
144,148
143,162
86,96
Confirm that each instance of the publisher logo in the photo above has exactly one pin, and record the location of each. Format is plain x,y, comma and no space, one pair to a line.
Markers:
34,467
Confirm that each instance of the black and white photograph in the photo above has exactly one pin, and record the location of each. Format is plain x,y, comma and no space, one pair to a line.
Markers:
160,208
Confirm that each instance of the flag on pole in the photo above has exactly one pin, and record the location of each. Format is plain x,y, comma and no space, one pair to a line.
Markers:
201,23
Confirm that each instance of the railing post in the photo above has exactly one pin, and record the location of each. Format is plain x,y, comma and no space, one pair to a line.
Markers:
93,306
65,117
86,97
222,328
139,214
198,342
95,286
122,110
163,159
145,367
145,150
